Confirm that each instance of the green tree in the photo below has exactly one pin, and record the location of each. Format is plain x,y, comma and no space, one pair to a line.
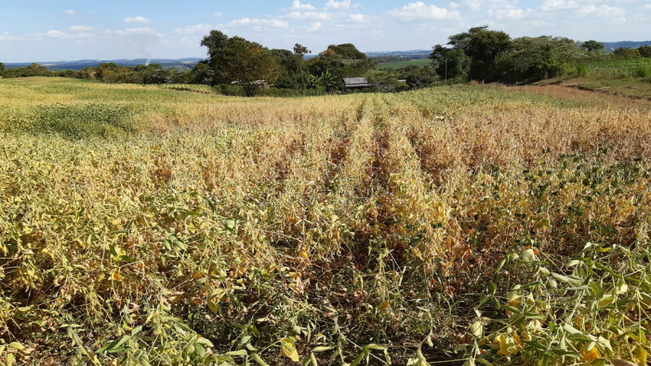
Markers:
450,63
348,51
645,51
106,71
592,46
289,69
626,53
533,59
343,60
2,69
300,51
236,60
328,61
482,46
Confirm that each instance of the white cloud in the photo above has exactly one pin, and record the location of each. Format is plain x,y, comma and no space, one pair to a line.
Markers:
602,11
309,15
63,35
136,20
358,18
272,23
194,29
6,36
80,28
296,5
332,4
218,14
647,6
69,12
474,5
507,12
58,34
551,5
314,27
134,32
419,10
453,5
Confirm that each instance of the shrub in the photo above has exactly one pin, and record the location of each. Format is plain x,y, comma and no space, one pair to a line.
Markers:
643,71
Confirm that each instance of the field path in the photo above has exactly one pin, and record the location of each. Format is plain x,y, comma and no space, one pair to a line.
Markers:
583,96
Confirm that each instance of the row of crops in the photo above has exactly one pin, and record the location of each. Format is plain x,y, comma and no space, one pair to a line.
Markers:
458,224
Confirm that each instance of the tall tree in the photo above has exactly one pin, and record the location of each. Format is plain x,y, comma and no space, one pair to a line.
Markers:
645,51
482,46
236,60
450,63
300,51
592,46
289,73
2,68
533,59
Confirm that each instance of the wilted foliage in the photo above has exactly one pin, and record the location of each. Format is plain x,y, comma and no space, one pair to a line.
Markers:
190,228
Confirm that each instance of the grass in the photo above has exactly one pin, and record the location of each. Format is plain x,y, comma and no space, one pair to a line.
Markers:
627,78
401,64
199,229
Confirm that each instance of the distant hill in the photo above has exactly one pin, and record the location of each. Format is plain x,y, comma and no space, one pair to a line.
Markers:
184,63
407,55
611,46
189,63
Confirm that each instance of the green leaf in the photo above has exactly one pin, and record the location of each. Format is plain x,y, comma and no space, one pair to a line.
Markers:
204,342
238,353
561,352
535,344
258,360
136,330
17,346
323,349
574,281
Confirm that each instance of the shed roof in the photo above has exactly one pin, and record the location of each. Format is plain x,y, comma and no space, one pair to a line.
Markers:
356,83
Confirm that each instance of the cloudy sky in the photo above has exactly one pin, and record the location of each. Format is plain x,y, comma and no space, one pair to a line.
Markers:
47,30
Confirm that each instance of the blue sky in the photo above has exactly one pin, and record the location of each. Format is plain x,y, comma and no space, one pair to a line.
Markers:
56,30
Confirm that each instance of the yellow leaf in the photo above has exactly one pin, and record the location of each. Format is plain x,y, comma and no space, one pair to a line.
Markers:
507,345
640,356
477,329
589,354
288,349
383,306
513,297
115,275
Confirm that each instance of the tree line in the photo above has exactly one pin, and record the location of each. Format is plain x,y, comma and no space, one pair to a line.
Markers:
241,67
492,56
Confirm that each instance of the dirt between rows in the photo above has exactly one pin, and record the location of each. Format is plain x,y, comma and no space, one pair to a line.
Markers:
590,98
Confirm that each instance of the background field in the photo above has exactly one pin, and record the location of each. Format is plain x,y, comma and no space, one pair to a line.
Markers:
165,226
400,64
629,78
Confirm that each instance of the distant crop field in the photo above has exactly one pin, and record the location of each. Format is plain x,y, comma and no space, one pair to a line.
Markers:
147,225
401,64
633,68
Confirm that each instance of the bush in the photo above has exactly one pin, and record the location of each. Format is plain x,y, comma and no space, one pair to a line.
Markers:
76,122
643,71
581,70
232,90
626,53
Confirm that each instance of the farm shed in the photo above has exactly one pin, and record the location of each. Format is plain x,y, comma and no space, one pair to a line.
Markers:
356,83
